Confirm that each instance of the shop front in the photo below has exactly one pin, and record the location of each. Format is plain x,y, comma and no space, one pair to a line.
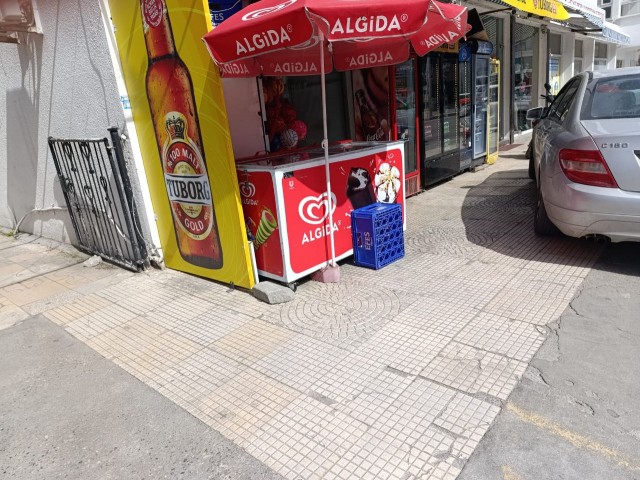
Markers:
340,125
283,190
286,204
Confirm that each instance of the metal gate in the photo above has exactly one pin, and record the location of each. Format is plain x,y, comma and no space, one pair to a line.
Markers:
98,193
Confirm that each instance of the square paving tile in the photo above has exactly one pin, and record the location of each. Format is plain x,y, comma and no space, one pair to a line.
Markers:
526,306
10,313
437,316
200,321
240,407
347,380
197,376
305,439
140,295
473,371
99,321
511,338
547,284
252,341
76,309
376,398
32,290
468,419
78,275
414,410
403,347
372,378
375,455
301,362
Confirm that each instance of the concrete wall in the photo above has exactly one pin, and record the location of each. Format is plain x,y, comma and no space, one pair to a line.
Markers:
60,83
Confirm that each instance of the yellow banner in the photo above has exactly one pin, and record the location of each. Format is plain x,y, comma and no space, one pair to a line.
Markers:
544,8
178,109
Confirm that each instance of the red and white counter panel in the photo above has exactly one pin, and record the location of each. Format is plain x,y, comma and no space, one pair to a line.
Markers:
284,198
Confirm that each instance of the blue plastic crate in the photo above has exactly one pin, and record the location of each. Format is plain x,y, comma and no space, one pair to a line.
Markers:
378,238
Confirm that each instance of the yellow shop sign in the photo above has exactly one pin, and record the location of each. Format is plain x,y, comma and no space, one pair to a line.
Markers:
552,9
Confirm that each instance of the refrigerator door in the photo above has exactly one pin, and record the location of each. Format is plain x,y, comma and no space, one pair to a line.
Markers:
406,123
406,112
481,94
431,117
450,124
493,140
465,107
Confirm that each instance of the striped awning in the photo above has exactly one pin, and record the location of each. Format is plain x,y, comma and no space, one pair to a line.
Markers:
592,17
613,34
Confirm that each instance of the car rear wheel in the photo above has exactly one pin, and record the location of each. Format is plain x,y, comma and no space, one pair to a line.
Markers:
529,155
541,223
532,173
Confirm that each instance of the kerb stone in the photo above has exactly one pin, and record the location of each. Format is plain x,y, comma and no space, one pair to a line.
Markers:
272,293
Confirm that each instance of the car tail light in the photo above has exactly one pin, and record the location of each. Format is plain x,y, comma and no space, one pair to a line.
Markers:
587,167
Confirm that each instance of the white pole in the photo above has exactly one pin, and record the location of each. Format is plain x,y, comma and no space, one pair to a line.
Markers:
325,146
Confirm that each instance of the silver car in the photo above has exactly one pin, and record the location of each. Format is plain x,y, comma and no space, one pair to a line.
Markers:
586,158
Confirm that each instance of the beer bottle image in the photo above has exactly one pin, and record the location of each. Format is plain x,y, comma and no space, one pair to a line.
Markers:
177,130
371,128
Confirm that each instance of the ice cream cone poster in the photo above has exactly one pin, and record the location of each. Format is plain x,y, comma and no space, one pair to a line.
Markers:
266,227
388,179
260,213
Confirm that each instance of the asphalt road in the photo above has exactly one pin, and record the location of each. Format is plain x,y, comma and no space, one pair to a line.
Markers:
67,412
576,414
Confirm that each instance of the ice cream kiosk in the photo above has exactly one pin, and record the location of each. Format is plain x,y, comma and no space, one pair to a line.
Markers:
285,202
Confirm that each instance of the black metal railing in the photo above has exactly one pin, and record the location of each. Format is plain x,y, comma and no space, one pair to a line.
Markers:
99,197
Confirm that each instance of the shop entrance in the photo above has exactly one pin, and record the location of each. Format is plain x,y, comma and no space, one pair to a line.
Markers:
525,53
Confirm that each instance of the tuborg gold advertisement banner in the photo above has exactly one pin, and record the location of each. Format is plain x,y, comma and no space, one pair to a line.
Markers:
180,117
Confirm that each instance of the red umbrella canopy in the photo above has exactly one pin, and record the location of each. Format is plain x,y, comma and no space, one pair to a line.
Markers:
282,37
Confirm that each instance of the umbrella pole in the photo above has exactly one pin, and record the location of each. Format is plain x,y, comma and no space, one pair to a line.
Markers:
325,146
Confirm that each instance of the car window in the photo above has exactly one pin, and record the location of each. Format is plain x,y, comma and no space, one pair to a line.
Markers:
616,97
566,101
556,101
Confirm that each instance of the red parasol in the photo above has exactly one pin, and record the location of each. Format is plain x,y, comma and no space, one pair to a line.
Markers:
307,37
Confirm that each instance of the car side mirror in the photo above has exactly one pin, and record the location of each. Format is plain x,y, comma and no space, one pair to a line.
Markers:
547,87
536,113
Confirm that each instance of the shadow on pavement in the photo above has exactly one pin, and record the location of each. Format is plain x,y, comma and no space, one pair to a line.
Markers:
498,215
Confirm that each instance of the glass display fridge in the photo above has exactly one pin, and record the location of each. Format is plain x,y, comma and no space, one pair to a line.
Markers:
439,116
406,122
493,117
465,106
480,52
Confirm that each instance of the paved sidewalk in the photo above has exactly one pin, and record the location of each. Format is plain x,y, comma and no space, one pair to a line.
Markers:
396,373
67,412
575,413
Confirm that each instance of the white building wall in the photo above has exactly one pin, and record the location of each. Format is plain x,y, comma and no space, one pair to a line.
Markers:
611,56
588,51
62,84
567,57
